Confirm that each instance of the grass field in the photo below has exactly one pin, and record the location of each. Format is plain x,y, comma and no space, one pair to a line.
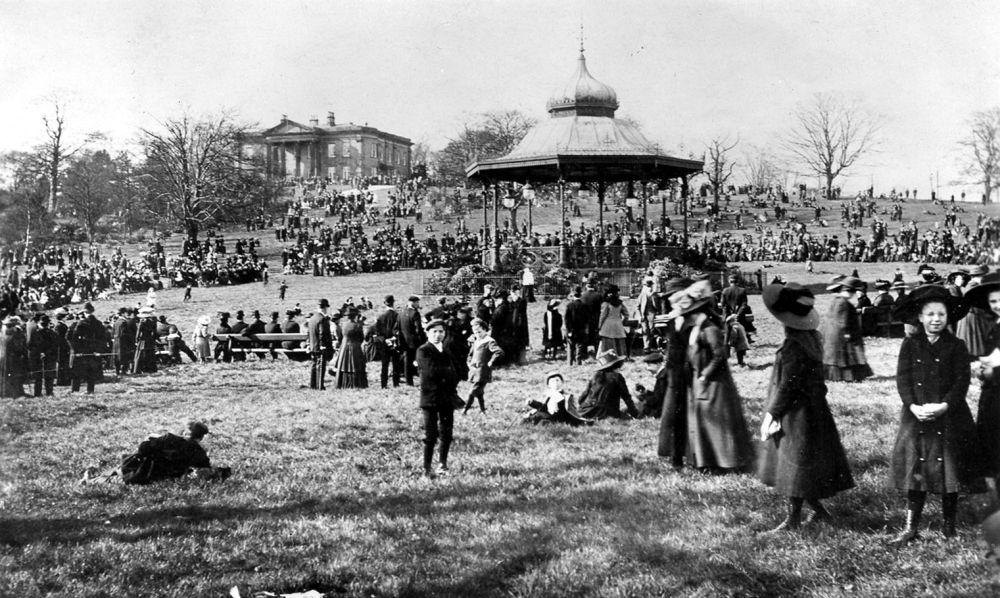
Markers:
326,493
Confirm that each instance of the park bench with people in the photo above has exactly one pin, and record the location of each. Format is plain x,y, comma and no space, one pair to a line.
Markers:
265,343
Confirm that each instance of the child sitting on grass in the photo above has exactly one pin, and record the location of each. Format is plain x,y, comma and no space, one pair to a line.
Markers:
555,406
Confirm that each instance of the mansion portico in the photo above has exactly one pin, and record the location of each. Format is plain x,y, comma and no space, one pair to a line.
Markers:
343,153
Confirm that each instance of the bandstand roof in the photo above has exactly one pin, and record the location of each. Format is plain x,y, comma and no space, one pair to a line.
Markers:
583,141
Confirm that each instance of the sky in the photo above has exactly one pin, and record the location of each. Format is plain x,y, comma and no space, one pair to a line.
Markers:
687,71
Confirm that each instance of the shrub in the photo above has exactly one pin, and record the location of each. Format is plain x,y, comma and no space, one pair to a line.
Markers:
560,280
438,282
467,280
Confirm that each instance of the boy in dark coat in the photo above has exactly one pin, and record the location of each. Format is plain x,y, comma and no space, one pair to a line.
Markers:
438,395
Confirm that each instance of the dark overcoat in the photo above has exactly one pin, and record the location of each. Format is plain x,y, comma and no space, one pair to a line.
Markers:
988,416
577,321
937,456
438,378
13,363
411,330
604,394
843,344
673,418
717,429
806,459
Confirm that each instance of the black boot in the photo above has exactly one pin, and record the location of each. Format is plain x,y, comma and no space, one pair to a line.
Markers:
792,520
913,512
818,514
949,509
428,459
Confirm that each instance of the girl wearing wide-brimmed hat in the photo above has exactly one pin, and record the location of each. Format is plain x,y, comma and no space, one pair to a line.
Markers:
718,438
606,390
843,344
803,458
975,327
672,441
936,449
986,297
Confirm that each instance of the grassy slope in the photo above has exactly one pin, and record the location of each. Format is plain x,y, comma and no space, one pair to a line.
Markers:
326,495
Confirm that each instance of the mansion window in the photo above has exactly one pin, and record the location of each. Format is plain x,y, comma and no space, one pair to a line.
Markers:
331,150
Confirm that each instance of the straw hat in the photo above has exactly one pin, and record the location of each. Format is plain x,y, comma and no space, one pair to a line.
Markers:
608,360
145,312
792,305
552,375
692,298
204,320
979,270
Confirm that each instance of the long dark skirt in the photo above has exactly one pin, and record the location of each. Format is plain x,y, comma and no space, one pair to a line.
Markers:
351,371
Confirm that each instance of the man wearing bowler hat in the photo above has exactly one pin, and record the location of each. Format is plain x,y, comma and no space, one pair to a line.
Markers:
87,338
411,336
320,345
387,329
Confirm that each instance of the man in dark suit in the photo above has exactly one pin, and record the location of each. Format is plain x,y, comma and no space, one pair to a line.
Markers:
411,336
502,326
273,327
87,337
320,345
592,300
734,302
519,324
221,351
883,298
387,329
438,395
42,352
256,326
238,327
145,343
576,321
485,305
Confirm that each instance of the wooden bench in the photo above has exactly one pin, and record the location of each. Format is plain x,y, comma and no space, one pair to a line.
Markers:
266,337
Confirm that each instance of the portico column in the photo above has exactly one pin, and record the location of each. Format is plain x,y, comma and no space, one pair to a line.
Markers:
645,223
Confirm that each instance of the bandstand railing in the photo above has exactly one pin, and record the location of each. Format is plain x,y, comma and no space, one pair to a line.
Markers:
583,257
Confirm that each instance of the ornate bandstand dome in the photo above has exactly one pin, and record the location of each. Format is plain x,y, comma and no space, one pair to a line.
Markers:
583,95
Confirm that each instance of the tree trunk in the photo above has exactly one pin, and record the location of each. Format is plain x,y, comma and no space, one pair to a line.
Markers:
988,187
829,185
192,229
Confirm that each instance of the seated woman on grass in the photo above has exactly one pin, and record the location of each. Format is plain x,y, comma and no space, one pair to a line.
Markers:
606,390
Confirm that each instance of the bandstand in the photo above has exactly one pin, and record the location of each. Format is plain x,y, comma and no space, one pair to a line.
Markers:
583,142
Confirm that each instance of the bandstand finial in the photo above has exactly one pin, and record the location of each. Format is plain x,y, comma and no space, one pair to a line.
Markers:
581,37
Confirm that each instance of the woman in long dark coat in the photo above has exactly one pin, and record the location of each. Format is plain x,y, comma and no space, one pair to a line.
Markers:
975,327
936,448
606,390
718,438
803,458
986,297
672,442
13,359
843,344
351,371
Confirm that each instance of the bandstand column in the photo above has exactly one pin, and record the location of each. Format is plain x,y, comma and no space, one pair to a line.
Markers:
600,209
496,228
562,223
684,207
645,223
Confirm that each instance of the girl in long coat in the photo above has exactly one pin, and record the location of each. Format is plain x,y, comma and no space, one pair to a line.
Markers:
199,339
13,359
843,345
936,448
718,438
552,336
351,369
803,458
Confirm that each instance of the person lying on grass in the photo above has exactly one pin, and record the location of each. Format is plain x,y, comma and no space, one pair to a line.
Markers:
163,457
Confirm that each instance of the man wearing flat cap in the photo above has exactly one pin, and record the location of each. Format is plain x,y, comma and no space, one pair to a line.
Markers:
43,350
320,345
411,336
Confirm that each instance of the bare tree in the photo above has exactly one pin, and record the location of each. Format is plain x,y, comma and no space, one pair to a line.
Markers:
719,164
195,167
491,135
761,168
88,188
830,134
981,161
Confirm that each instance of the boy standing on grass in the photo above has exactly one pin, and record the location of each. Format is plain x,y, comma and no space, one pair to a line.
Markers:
438,395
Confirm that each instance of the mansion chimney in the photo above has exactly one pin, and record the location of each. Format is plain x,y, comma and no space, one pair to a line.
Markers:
314,121
331,119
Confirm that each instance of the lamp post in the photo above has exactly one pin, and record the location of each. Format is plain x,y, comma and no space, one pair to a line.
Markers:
528,193
562,222
496,228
